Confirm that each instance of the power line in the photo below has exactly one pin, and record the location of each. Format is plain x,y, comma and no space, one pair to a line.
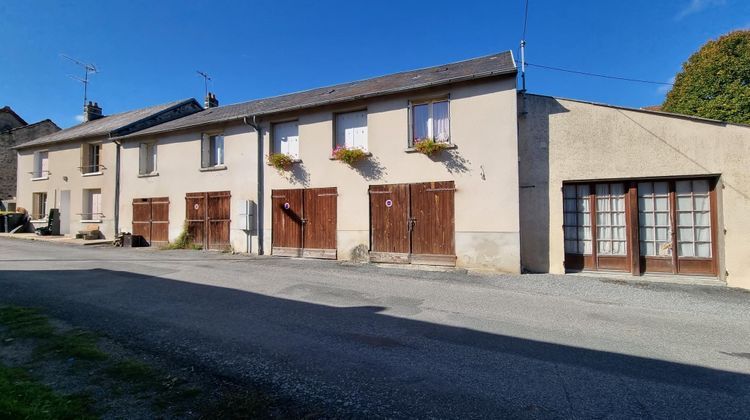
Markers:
584,73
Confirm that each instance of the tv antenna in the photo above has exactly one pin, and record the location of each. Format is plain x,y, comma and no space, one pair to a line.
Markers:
88,69
523,47
206,78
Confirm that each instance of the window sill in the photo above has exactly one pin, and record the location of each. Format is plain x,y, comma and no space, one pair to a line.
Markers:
368,154
36,221
93,173
214,168
148,175
91,221
413,150
40,178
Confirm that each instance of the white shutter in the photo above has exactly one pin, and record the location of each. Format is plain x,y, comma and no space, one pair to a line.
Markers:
351,130
219,145
96,203
45,163
152,166
286,139
143,159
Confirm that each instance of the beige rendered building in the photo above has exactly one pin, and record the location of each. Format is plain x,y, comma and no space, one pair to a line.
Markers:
75,169
456,207
607,188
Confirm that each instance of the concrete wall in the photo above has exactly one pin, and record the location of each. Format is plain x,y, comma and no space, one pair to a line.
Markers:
564,140
8,160
64,162
179,172
484,168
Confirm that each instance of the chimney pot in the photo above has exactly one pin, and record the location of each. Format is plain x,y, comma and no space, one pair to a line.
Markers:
92,111
211,101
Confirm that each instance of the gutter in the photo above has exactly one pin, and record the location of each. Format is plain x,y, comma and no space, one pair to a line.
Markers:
261,192
117,186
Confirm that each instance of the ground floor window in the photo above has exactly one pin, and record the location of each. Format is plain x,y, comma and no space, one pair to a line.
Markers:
92,204
670,224
39,206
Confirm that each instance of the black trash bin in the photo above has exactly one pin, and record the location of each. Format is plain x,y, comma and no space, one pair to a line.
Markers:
13,220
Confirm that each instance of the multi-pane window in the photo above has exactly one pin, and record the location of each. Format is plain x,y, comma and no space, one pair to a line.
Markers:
653,218
41,165
212,150
39,205
91,158
577,219
147,158
351,130
286,139
431,120
693,218
610,219
92,204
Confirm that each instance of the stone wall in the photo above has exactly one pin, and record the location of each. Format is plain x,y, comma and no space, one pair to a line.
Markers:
8,158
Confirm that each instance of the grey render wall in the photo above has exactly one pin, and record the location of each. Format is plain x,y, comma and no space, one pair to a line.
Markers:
8,158
566,140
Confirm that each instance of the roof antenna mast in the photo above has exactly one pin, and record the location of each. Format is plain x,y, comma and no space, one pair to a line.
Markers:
206,78
88,69
523,47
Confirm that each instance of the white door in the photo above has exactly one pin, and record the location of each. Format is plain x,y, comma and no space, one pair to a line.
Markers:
64,212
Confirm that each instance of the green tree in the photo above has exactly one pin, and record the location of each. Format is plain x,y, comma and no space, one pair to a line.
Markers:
715,81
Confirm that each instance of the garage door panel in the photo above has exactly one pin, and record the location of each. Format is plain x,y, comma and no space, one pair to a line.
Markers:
286,221
389,224
320,221
432,205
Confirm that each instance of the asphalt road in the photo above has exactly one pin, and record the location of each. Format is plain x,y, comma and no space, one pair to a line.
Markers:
366,341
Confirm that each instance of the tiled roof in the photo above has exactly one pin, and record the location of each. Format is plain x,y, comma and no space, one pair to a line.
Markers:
111,124
488,66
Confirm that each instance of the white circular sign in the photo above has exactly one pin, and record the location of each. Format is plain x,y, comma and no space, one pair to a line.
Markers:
196,207
389,203
286,206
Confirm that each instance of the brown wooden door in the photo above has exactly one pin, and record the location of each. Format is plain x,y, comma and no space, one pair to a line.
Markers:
432,219
390,229
195,217
218,219
287,212
142,218
319,223
159,221
207,215
151,220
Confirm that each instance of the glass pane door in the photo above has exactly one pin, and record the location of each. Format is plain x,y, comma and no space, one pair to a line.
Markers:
610,219
653,218
577,219
693,219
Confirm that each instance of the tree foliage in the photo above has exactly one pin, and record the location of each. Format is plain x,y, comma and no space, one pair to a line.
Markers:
715,81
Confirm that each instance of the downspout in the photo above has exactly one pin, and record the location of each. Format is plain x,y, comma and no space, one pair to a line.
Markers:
117,187
260,194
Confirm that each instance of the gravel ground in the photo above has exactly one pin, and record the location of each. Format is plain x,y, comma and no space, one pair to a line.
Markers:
367,341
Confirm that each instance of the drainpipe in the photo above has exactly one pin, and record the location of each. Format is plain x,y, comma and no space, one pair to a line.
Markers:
259,208
117,188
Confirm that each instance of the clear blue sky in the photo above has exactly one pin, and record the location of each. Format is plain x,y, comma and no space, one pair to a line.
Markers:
148,51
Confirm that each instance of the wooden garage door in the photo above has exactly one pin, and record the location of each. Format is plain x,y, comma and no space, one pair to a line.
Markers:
286,222
304,222
319,223
413,223
207,215
151,219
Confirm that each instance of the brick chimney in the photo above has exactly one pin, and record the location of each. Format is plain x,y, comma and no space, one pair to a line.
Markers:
92,111
211,101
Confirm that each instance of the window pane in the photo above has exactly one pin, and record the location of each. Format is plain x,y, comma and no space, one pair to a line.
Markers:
684,202
662,203
685,234
662,219
700,186
569,191
441,120
646,204
703,250
583,189
570,205
420,122
571,247
684,219
570,219
702,219
686,249
645,188
701,202
587,247
683,187
661,188
662,234
647,234
604,247
703,234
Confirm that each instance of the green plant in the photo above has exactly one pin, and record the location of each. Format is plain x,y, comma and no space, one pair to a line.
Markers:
348,155
429,146
183,240
715,81
280,161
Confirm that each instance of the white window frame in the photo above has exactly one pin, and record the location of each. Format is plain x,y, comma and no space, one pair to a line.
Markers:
147,159
213,151
41,165
91,163
292,141
91,207
431,123
357,135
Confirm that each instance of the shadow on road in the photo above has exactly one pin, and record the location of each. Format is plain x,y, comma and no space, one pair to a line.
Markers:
405,363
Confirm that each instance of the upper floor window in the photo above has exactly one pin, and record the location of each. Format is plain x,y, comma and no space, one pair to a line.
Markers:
212,150
147,158
286,139
41,165
91,158
351,130
431,120
39,206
